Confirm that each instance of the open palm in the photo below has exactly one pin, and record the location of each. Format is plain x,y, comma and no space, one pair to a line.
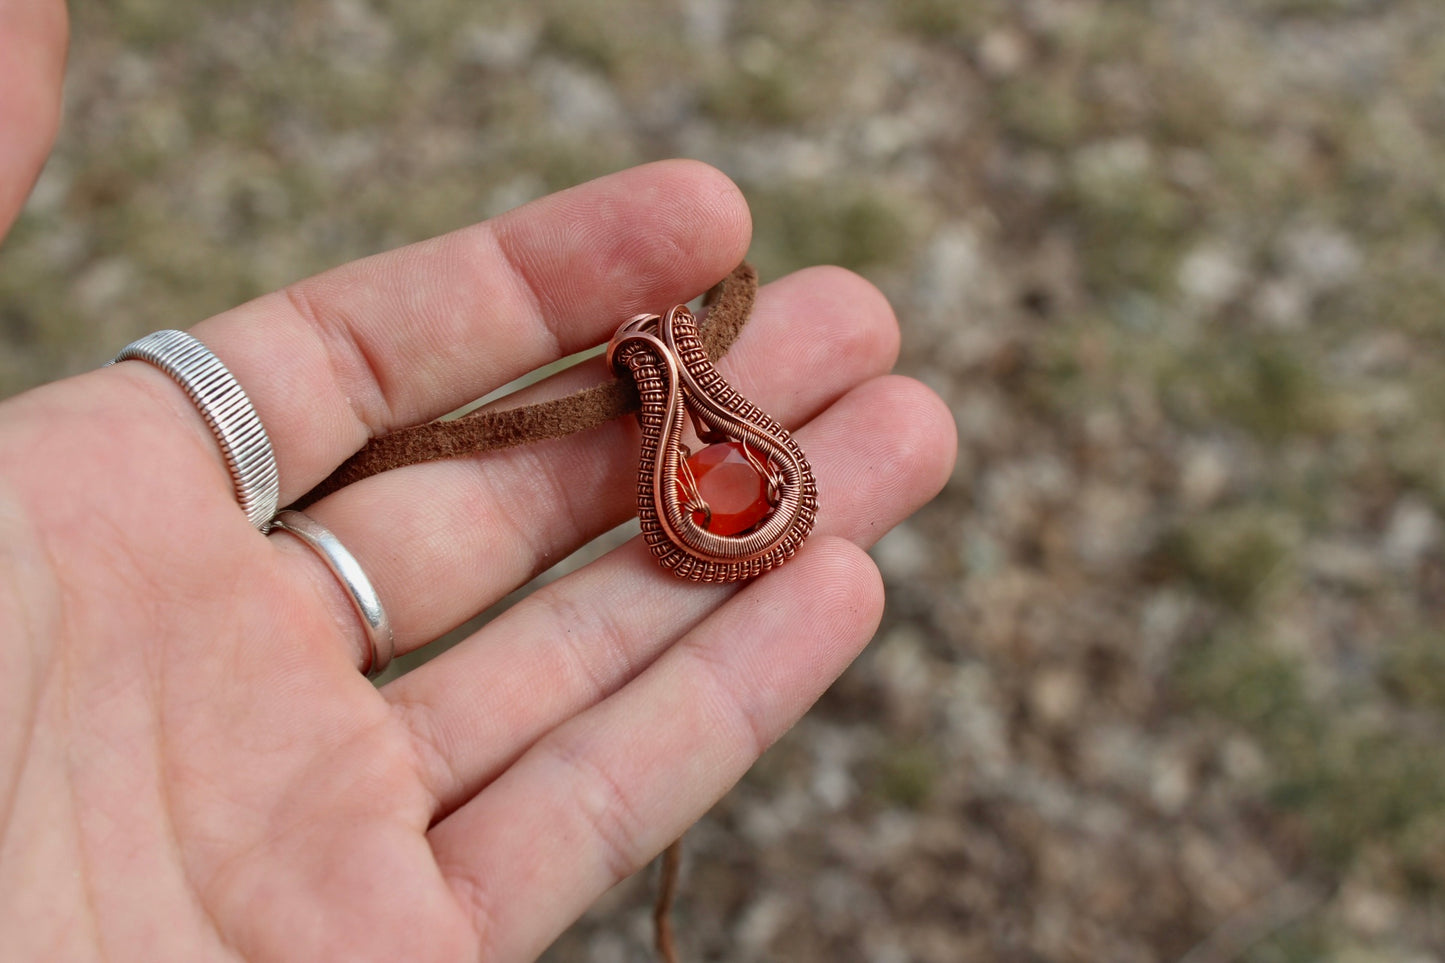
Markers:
191,765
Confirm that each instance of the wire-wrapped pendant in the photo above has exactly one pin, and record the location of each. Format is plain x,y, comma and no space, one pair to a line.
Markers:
737,508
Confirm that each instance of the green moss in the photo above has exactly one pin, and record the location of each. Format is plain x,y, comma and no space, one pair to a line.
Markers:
799,225
1352,781
1236,676
1267,385
1410,299
769,95
1416,458
1372,789
1235,556
1412,670
1131,222
609,38
908,776
562,162
1040,111
943,19
1302,941
1310,8
429,26
151,23
1272,392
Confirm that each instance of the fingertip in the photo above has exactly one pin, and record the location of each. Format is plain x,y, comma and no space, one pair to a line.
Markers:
922,443
662,232
33,43
803,625
720,198
850,317
869,302
707,210
881,452
846,580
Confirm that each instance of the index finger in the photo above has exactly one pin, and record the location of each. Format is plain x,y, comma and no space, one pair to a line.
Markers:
402,337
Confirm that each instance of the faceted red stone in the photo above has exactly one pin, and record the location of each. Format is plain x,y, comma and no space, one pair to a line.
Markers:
733,489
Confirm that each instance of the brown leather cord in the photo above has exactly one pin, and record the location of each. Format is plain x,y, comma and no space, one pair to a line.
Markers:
729,305
662,910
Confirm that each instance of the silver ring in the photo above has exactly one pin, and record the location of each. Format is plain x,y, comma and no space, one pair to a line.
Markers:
380,641
228,412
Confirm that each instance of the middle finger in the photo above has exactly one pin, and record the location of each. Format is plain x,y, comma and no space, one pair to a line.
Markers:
443,540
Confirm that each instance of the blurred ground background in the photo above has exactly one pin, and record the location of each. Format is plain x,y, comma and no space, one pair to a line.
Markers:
1163,673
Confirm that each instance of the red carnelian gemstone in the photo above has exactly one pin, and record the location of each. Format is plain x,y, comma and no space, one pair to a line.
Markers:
731,486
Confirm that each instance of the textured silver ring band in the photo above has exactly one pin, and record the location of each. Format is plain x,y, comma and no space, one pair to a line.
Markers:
343,564
228,412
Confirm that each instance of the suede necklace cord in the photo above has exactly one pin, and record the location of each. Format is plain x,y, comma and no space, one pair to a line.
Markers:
729,304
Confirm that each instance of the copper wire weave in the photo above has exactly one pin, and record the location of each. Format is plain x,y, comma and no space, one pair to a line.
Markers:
674,379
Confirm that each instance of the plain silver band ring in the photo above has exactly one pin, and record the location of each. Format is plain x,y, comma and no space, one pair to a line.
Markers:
229,414
343,564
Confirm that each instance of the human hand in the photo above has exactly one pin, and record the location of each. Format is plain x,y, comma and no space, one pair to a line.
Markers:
191,766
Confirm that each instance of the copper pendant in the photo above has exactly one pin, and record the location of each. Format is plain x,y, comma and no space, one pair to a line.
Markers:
665,358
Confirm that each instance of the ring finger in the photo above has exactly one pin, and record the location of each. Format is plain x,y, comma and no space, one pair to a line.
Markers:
879,452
